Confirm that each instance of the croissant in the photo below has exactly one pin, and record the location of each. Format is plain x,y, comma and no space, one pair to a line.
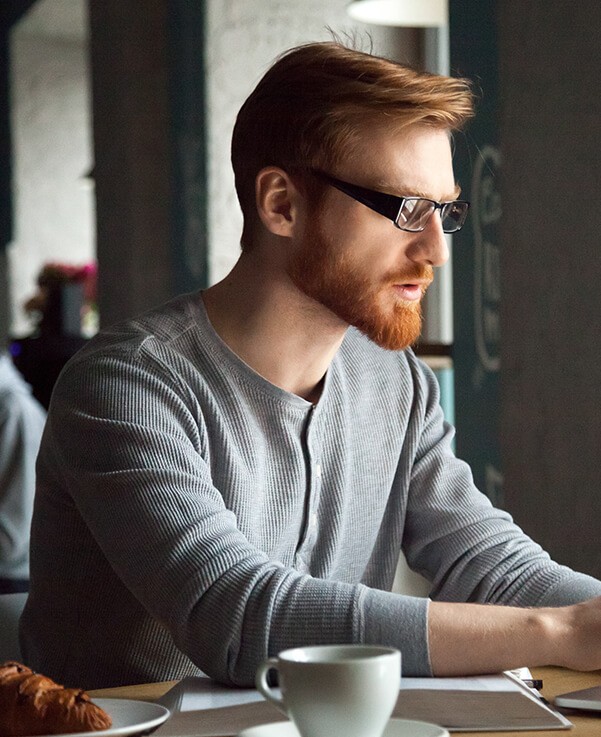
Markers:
32,704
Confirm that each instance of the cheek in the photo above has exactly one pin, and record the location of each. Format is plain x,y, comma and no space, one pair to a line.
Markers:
376,248
349,232
361,237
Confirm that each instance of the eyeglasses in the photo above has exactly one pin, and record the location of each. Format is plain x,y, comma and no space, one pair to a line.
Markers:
407,213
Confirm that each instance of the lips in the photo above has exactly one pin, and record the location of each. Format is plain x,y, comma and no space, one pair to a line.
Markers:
411,284
410,292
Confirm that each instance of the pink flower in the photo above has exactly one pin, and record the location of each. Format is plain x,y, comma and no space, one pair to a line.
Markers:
54,274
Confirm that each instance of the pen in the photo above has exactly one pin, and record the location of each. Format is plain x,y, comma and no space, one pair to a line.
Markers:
536,684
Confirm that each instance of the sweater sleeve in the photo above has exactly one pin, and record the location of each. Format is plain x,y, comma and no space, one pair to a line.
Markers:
470,550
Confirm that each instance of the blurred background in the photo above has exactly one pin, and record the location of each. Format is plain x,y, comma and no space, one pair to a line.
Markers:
116,193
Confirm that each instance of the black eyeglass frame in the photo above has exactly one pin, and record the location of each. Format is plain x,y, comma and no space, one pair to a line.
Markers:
391,206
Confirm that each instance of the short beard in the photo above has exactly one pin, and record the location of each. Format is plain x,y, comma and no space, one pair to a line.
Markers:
333,282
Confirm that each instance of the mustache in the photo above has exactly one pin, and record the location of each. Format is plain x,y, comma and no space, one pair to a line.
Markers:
417,273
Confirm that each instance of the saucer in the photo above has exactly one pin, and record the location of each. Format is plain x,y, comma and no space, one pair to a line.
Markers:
394,728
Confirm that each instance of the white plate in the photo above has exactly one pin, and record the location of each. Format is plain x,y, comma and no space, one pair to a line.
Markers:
394,728
129,718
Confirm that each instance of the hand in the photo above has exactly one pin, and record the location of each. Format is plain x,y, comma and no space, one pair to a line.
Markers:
576,635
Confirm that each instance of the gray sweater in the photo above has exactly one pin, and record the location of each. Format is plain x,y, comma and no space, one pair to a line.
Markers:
190,516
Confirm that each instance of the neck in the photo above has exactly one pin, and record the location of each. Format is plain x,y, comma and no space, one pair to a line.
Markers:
282,334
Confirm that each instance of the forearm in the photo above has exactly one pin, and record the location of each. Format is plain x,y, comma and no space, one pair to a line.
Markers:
467,639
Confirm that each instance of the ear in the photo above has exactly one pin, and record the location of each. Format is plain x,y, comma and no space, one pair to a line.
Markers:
277,201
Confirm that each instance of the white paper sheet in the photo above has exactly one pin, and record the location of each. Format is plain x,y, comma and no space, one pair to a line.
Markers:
198,693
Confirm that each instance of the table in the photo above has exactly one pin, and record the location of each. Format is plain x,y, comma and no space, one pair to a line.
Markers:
555,680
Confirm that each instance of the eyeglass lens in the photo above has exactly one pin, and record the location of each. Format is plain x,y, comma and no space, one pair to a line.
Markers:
416,211
453,216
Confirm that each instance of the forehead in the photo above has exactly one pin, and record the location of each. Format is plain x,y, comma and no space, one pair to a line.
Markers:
414,160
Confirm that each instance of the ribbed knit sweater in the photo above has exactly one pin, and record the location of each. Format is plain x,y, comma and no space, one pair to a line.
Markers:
192,517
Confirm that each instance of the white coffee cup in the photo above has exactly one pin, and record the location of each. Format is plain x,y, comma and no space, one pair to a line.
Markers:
335,690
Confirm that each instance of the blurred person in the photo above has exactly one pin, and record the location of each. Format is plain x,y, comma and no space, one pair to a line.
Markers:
22,421
65,298
236,472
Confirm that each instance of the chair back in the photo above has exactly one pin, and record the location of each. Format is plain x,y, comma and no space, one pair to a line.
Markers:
11,606
408,582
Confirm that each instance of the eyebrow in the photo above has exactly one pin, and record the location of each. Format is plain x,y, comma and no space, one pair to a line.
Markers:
389,188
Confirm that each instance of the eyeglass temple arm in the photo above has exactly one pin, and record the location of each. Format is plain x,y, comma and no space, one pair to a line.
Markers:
382,203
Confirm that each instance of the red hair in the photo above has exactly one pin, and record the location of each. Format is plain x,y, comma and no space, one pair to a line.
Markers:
316,100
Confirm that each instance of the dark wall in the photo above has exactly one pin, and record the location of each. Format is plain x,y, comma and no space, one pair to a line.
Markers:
10,12
148,112
550,66
130,125
476,278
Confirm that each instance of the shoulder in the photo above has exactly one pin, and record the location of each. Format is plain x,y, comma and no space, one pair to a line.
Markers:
142,364
390,395
164,325
380,368
148,338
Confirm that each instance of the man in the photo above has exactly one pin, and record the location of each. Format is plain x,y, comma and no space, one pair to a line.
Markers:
237,471
22,421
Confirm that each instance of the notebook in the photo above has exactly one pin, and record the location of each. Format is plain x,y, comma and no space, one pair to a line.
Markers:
203,708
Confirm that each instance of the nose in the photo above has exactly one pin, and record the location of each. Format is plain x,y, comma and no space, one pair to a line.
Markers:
430,246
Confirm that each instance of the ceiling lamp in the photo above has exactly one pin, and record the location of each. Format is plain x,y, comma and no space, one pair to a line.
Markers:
409,13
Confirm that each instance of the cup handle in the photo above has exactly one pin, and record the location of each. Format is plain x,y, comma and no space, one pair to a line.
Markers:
262,685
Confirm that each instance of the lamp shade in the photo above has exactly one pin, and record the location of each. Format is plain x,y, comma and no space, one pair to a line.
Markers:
408,13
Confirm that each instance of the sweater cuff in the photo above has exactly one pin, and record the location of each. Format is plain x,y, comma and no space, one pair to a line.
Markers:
401,622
